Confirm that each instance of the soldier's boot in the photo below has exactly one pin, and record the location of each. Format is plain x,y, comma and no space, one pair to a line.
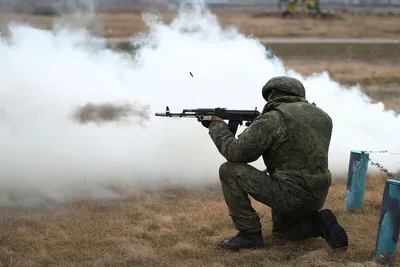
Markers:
331,230
243,240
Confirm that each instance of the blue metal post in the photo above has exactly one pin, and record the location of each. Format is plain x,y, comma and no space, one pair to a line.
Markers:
356,180
389,224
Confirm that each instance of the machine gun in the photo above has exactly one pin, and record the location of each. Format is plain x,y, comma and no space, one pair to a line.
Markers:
234,117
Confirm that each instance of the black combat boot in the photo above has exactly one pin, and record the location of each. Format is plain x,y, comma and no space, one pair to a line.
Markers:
244,240
331,230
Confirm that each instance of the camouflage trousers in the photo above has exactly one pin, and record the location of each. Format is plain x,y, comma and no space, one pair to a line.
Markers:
292,217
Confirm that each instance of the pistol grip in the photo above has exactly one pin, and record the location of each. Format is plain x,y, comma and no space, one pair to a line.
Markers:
233,126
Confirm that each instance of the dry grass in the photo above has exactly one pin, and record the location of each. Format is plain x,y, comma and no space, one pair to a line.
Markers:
174,227
369,53
380,80
126,24
352,73
373,66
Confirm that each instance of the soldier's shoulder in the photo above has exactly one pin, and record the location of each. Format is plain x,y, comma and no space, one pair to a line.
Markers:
320,114
272,116
321,111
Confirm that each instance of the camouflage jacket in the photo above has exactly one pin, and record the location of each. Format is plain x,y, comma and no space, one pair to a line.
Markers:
291,135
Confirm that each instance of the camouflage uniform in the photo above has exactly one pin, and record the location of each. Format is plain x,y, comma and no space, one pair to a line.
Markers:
293,137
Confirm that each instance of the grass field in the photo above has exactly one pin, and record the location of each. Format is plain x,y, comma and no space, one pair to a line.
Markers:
174,227
380,82
375,68
126,24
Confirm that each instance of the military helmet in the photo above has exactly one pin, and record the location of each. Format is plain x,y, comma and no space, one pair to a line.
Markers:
284,84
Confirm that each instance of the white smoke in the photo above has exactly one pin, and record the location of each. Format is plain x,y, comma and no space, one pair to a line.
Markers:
46,74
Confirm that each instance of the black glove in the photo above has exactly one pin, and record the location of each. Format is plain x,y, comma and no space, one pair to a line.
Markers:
206,123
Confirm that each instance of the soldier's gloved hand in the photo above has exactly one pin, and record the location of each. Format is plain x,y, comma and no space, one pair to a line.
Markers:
213,118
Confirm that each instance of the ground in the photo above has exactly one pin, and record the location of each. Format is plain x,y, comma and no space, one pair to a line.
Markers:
180,227
126,24
174,227
374,67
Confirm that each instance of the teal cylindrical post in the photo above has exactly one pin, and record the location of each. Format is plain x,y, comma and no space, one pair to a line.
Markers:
356,180
389,224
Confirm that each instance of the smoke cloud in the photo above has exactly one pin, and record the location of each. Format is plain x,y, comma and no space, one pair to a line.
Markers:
52,78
